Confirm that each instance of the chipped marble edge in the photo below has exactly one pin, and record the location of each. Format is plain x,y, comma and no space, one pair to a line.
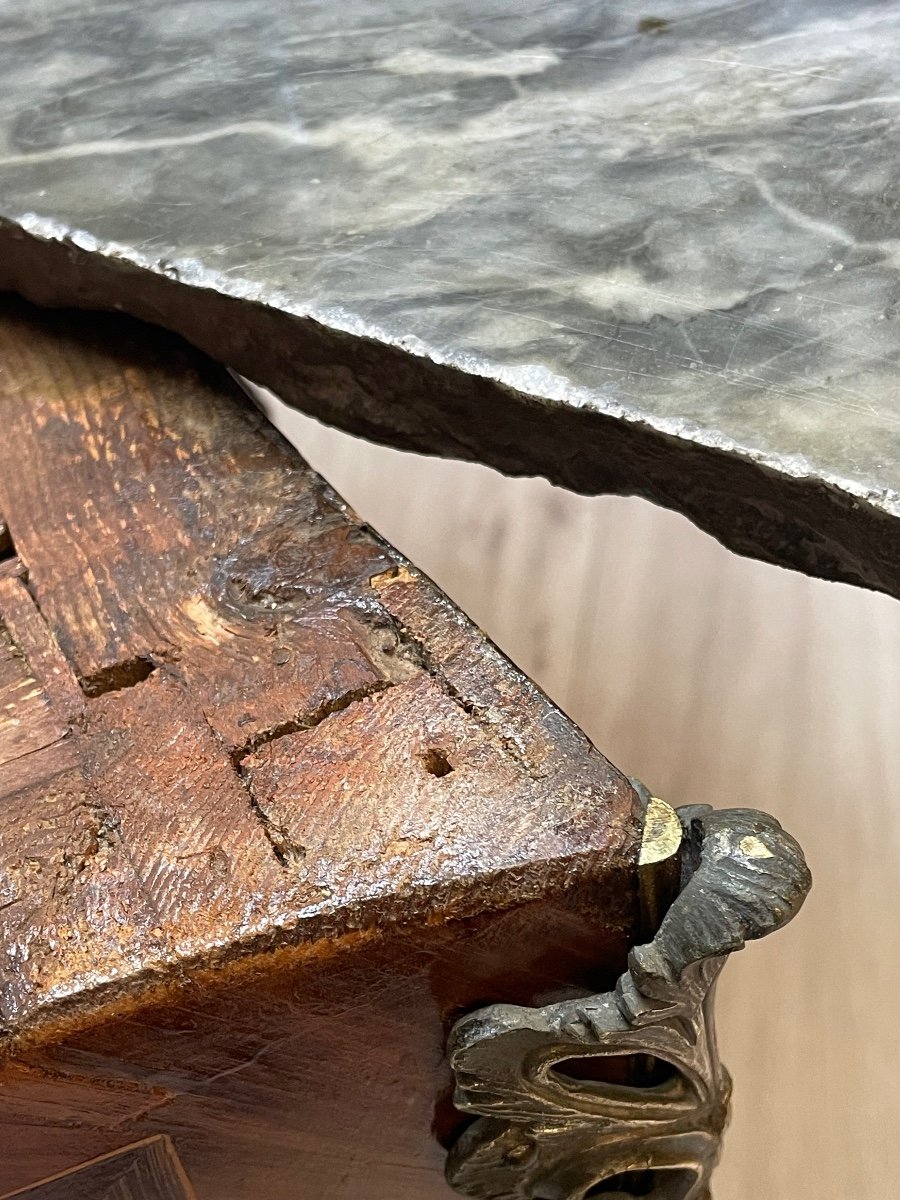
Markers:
554,389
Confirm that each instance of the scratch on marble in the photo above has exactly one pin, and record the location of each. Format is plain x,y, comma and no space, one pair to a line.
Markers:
813,73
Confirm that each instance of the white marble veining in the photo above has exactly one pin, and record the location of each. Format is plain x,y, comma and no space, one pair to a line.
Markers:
684,215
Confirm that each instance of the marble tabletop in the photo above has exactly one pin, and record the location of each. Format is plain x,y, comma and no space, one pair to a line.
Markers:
648,248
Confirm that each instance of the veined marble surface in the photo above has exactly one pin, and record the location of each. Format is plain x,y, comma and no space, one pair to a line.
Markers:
683,217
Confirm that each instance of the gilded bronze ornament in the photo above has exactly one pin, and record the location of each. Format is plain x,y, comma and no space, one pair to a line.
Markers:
623,1094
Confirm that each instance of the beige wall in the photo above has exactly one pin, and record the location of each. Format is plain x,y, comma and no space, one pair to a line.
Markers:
718,680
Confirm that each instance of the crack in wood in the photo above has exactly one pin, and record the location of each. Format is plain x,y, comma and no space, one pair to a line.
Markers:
111,679
308,720
416,652
184,834
286,849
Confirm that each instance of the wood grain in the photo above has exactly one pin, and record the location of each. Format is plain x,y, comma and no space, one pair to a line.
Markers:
274,811
161,523
39,698
29,633
207,627
722,681
148,1171
311,1074
27,722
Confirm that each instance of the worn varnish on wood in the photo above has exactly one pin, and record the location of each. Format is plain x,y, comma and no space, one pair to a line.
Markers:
272,811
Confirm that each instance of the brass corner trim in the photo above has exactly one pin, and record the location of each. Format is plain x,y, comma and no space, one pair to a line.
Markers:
651,1124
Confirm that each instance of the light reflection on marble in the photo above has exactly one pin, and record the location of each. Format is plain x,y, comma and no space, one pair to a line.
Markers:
684,214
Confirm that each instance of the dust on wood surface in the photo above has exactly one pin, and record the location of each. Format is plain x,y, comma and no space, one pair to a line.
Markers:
242,717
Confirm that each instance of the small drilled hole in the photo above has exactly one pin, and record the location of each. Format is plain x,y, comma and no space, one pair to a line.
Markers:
436,763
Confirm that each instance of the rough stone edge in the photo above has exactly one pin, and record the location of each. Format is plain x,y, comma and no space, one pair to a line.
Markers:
382,392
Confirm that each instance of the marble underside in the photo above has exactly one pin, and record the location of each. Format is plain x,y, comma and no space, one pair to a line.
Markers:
683,217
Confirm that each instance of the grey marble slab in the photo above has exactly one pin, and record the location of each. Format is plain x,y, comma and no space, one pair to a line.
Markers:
647,248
